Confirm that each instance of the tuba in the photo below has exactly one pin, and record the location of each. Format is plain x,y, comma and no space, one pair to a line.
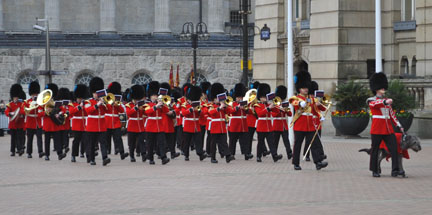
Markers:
251,96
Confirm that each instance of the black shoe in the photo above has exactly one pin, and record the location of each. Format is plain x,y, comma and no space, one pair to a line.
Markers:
308,159
106,161
320,165
202,157
61,156
151,162
375,174
222,156
29,156
259,159
397,173
165,160
46,158
67,150
289,156
297,167
96,153
12,154
41,154
186,158
73,160
174,155
82,156
214,161
250,156
116,152
277,157
124,155
21,153
229,158
246,157
132,159
323,157
265,153
92,163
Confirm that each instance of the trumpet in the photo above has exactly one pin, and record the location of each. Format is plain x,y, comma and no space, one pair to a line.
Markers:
109,99
277,101
229,101
165,99
326,101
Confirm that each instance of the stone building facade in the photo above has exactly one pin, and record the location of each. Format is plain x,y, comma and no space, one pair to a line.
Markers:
130,41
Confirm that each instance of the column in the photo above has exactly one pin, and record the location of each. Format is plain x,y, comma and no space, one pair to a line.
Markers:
52,11
162,17
216,16
107,16
378,43
1,16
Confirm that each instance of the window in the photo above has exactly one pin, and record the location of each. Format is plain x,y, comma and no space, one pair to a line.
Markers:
408,10
235,17
84,78
404,66
297,9
141,79
199,78
27,78
413,66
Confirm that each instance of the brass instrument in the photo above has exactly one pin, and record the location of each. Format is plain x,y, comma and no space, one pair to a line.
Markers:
277,101
326,101
229,101
251,96
15,114
300,111
166,99
43,98
109,98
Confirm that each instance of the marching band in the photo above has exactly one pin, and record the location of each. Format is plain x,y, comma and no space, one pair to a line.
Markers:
162,119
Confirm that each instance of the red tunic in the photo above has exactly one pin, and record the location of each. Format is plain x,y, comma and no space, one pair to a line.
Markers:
317,113
218,122
66,126
96,116
251,117
203,117
112,118
135,119
167,123
18,122
190,119
154,121
32,118
264,123
238,119
305,121
280,120
79,117
382,117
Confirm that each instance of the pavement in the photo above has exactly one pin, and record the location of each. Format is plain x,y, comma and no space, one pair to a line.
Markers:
35,186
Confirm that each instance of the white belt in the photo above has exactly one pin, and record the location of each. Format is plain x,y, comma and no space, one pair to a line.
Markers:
79,117
209,118
238,117
279,118
380,117
96,117
154,118
264,118
307,114
32,115
112,115
191,119
135,118
219,119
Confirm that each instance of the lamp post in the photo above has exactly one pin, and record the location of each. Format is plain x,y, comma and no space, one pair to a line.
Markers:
194,34
47,48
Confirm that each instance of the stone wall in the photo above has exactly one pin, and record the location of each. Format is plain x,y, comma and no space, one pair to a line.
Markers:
116,64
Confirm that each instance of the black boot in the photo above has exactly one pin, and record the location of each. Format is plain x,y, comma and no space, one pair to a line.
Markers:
214,161
41,154
73,160
61,156
106,161
174,155
202,157
297,167
132,159
47,158
165,160
277,157
229,158
375,174
29,156
123,155
320,165
259,159
289,155
92,163
12,154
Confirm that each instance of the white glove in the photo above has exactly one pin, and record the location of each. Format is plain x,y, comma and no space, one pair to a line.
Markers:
302,104
322,118
33,103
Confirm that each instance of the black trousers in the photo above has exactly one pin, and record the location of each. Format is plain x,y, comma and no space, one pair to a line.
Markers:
79,139
156,141
136,139
285,139
192,137
390,141
179,136
242,137
171,142
208,142
251,131
16,140
299,136
221,141
57,142
30,135
64,138
261,148
93,139
117,139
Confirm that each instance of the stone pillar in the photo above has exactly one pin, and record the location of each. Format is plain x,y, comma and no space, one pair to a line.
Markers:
216,16
162,17
107,16
52,11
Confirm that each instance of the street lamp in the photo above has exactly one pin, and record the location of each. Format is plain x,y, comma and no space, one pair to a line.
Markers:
47,48
194,34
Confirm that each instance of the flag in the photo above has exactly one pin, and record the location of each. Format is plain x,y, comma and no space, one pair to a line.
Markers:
171,78
177,84
192,77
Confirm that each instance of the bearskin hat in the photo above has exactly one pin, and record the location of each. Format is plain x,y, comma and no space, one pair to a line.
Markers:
63,94
22,95
34,88
71,95
96,84
302,80
114,88
137,92
126,95
378,81
254,85
239,90
194,93
15,90
216,88
205,86
53,87
313,87
153,88
263,90
80,91
281,91
185,88
176,93
166,86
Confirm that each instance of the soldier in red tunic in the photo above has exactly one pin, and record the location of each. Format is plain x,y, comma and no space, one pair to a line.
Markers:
318,118
154,124
205,86
17,124
96,126
280,122
168,124
303,121
176,94
64,95
33,123
237,125
78,119
218,128
113,123
382,129
264,110
135,125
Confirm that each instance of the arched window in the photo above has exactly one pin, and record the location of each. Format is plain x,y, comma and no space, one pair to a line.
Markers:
84,78
413,66
27,78
199,78
404,66
141,79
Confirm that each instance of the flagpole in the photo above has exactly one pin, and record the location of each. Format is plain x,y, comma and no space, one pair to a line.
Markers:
378,42
290,63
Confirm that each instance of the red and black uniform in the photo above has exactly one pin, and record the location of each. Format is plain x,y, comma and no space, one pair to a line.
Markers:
382,130
317,117
33,126
65,128
113,125
16,126
179,120
251,119
218,130
264,129
51,130
95,128
168,124
280,128
155,131
238,130
192,130
135,129
203,119
78,119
